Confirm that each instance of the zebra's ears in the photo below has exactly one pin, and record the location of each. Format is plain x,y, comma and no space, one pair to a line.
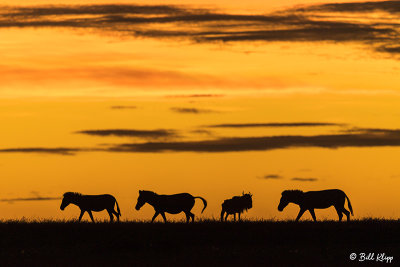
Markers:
140,191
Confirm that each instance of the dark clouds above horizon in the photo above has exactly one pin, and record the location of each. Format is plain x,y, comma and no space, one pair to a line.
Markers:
163,140
264,143
316,23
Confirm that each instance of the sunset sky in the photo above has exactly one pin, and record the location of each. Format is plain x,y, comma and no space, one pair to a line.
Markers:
210,98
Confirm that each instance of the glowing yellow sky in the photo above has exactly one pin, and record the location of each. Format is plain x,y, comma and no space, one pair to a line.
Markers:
57,81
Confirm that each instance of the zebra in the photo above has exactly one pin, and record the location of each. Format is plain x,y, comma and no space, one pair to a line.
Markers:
316,200
89,203
173,204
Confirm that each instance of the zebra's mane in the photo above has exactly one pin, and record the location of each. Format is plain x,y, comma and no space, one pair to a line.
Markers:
292,192
149,192
72,194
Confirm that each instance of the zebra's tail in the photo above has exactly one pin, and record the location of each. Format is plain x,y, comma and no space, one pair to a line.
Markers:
349,204
204,202
119,212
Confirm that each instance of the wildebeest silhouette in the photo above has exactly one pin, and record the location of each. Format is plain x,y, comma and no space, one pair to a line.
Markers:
237,204
89,203
173,204
316,200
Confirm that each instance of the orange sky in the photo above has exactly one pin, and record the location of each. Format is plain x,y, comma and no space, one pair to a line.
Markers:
182,72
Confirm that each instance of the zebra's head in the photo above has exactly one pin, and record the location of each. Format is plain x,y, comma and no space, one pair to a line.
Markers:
141,199
287,197
68,198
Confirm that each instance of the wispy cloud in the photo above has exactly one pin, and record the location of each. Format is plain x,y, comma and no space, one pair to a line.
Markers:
192,110
356,7
237,144
271,177
36,197
375,131
43,150
298,179
146,134
123,107
195,96
274,124
10,200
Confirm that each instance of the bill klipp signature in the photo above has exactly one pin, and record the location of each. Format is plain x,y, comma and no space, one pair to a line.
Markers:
377,257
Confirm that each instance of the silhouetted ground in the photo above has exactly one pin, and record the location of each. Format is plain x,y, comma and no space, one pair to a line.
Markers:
260,243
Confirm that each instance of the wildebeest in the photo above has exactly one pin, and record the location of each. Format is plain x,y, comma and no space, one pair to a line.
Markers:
237,204
89,203
173,204
316,200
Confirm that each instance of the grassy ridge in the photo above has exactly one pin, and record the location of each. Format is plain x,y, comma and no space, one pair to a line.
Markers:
251,243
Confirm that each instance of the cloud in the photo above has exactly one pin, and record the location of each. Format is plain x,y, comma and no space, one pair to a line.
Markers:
271,177
374,131
357,7
369,137
11,200
202,131
192,110
316,23
389,49
147,134
275,124
127,77
195,96
304,179
123,107
237,144
36,197
43,150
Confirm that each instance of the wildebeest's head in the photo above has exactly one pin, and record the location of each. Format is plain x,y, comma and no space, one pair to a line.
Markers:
247,201
68,198
143,198
287,197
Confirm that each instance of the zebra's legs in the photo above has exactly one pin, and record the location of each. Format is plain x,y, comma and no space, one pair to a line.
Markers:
81,215
187,217
234,217
155,215
347,213
222,215
300,214
91,215
313,214
339,212
226,216
111,215
116,214
239,216
163,215
192,215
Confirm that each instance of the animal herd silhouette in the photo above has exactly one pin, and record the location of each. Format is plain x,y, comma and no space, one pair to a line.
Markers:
184,202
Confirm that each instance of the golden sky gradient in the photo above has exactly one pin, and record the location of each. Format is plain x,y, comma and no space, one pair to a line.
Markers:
179,81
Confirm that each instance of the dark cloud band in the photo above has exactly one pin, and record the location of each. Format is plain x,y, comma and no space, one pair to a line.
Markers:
147,134
317,23
274,124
